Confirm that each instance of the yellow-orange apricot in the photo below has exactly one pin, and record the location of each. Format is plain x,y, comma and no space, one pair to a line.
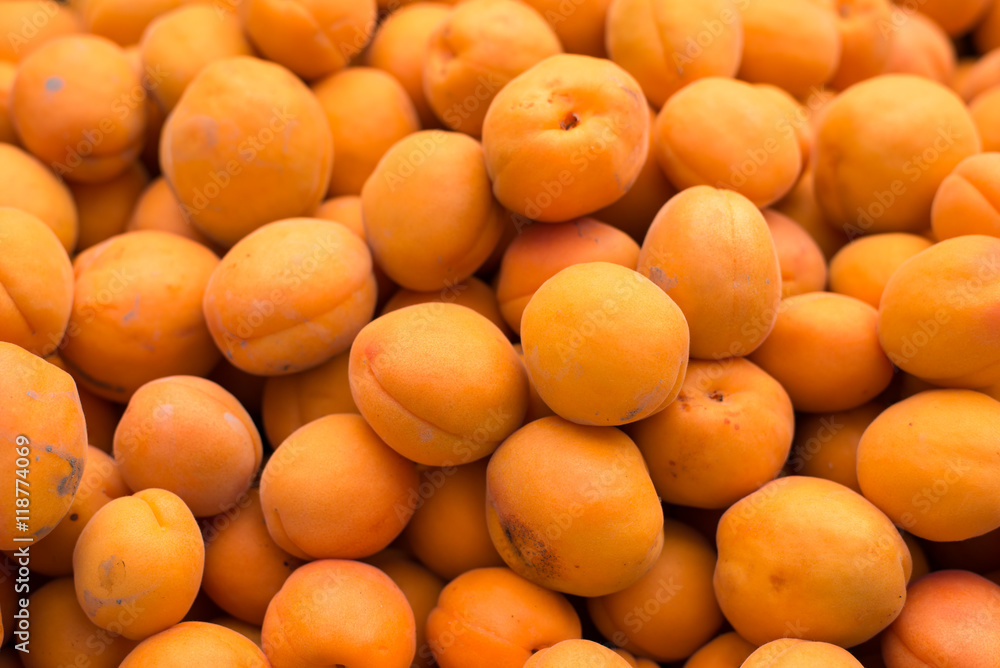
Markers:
580,26
158,209
921,566
29,24
776,574
245,629
100,414
727,433
802,265
801,206
471,293
439,383
968,200
566,137
8,135
956,17
980,76
794,117
495,615
919,46
826,446
542,251
864,40
983,110
728,650
345,210
105,208
536,407
191,643
576,653
635,662
31,187
270,152
124,21
862,268
794,652
138,563
44,443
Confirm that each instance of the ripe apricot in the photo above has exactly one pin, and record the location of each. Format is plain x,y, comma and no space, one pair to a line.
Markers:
180,43
555,491
864,40
580,26
727,433
576,652
31,187
801,206
249,631
439,383
448,531
297,309
471,293
939,448
423,236
44,444
8,135
777,574
124,21
104,208
826,446
62,635
800,259
542,251
29,24
536,407
987,34
795,116
247,144
158,209
101,129
566,137
671,611
794,652
862,268
335,612
731,310
100,482
950,617
346,210
919,46
476,51
956,18
421,588
191,643
335,490
875,174
495,615
728,650
938,317
984,113
824,350
138,563
968,200
36,283
635,662
312,38
137,313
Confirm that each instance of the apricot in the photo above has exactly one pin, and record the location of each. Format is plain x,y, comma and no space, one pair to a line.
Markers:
401,46
476,51
536,407
346,210
824,350
247,144
124,21
980,76
100,483
191,643
105,208
727,433
439,383
312,38
576,652
938,318
938,444
794,652
311,490
249,631
919,46
121,333
180,43
759,159
875,174
471,293
157,208
297,309
795,116
448,531
36,287
495,615
580,26
44,444
542,251
634,662
101,129
8,135
956,18
31,187
335,612
429,242
984,113
62,635
865,41
801,206
777,573
671,611
555,491
986,36
950,616
299,398
138,563
826,446
566,137
729,311
800,259
968,200
793,45
728,650
862,268
29,24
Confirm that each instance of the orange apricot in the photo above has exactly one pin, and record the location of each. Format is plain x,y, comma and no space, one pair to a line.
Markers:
864,40
541,251
968,200
938,446
983,110
31,187
635,662
862,268
824,350
576,652
138,564
191,643
760,157
803,267
919,46
246,630
536,407
727,434
728,650
794,652
921,566
981,75
44,444
104,208
938,316
335,612
270,152
566,137
124,21
777,574
801,206
471,293
29,24
987,34
548,532
826,446
795,116
580,26
334,489
476,51
439,383
495,615
671,611
8,135
956,17
345,210
158,209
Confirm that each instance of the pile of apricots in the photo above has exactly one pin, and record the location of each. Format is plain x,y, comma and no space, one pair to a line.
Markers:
500,333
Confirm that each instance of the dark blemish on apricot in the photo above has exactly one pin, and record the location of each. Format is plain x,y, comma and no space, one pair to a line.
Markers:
569,122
